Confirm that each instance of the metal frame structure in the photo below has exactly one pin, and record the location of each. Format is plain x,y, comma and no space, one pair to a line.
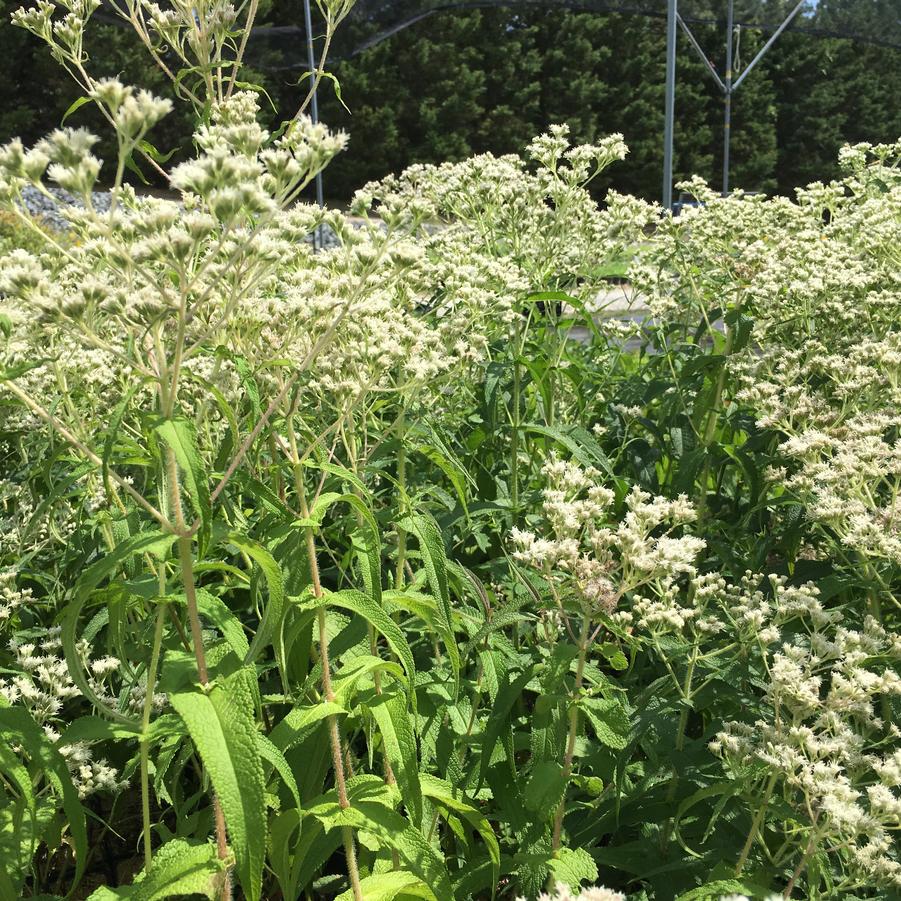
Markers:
728,84
314,107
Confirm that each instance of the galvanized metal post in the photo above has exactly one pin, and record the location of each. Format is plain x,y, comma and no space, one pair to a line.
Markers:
314,106
727,90
670,110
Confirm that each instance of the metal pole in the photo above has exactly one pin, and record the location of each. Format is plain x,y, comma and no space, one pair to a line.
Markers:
762,52
703,56
727,85
670,112
314,105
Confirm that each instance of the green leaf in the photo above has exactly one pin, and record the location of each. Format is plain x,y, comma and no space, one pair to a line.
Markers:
319,509
221,725
435,560
18,841
95,728
337,470
18,728
365,606
724,887
271,620
115,424
181,437
217,612
545,787
423,606
573,866
508,694
69,639
393,831
345,680
271,754
155,543
370,545
177,869
583,447
75,105
399,741
387,886
370,553
300,722
446,795
609,720
147,148
455,473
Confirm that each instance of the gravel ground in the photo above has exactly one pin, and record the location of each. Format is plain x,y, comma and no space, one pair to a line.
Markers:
49,210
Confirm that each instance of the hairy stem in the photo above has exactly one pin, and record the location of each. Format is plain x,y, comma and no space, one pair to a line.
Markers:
328,693
148,710
401,490
713,414
186,561
573,731
514,440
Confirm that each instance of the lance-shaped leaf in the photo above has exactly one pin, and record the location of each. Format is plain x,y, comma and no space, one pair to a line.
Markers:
365,606
177,869
221,725
217,612
271,755
275,605
180,437
387,886
434,559
399,741
444,794
393,831
300,722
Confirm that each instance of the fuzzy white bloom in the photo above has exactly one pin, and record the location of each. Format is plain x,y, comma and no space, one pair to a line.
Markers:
600,560
592,893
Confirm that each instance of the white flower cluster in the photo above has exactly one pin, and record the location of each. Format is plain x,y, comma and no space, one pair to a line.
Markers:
44,685
822,740
601,559
543,226
11,597
592,893
773,897
820,279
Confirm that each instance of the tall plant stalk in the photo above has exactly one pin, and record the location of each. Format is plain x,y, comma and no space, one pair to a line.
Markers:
147,712
573,732
328,693
186,562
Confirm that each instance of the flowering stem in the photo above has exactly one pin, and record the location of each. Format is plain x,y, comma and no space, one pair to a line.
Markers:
686,699
402,493
186,561
755,825
514,440
148,709
713,413
328,693
573,732
802,863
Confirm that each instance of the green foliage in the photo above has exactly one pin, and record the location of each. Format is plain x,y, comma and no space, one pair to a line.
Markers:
408,570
